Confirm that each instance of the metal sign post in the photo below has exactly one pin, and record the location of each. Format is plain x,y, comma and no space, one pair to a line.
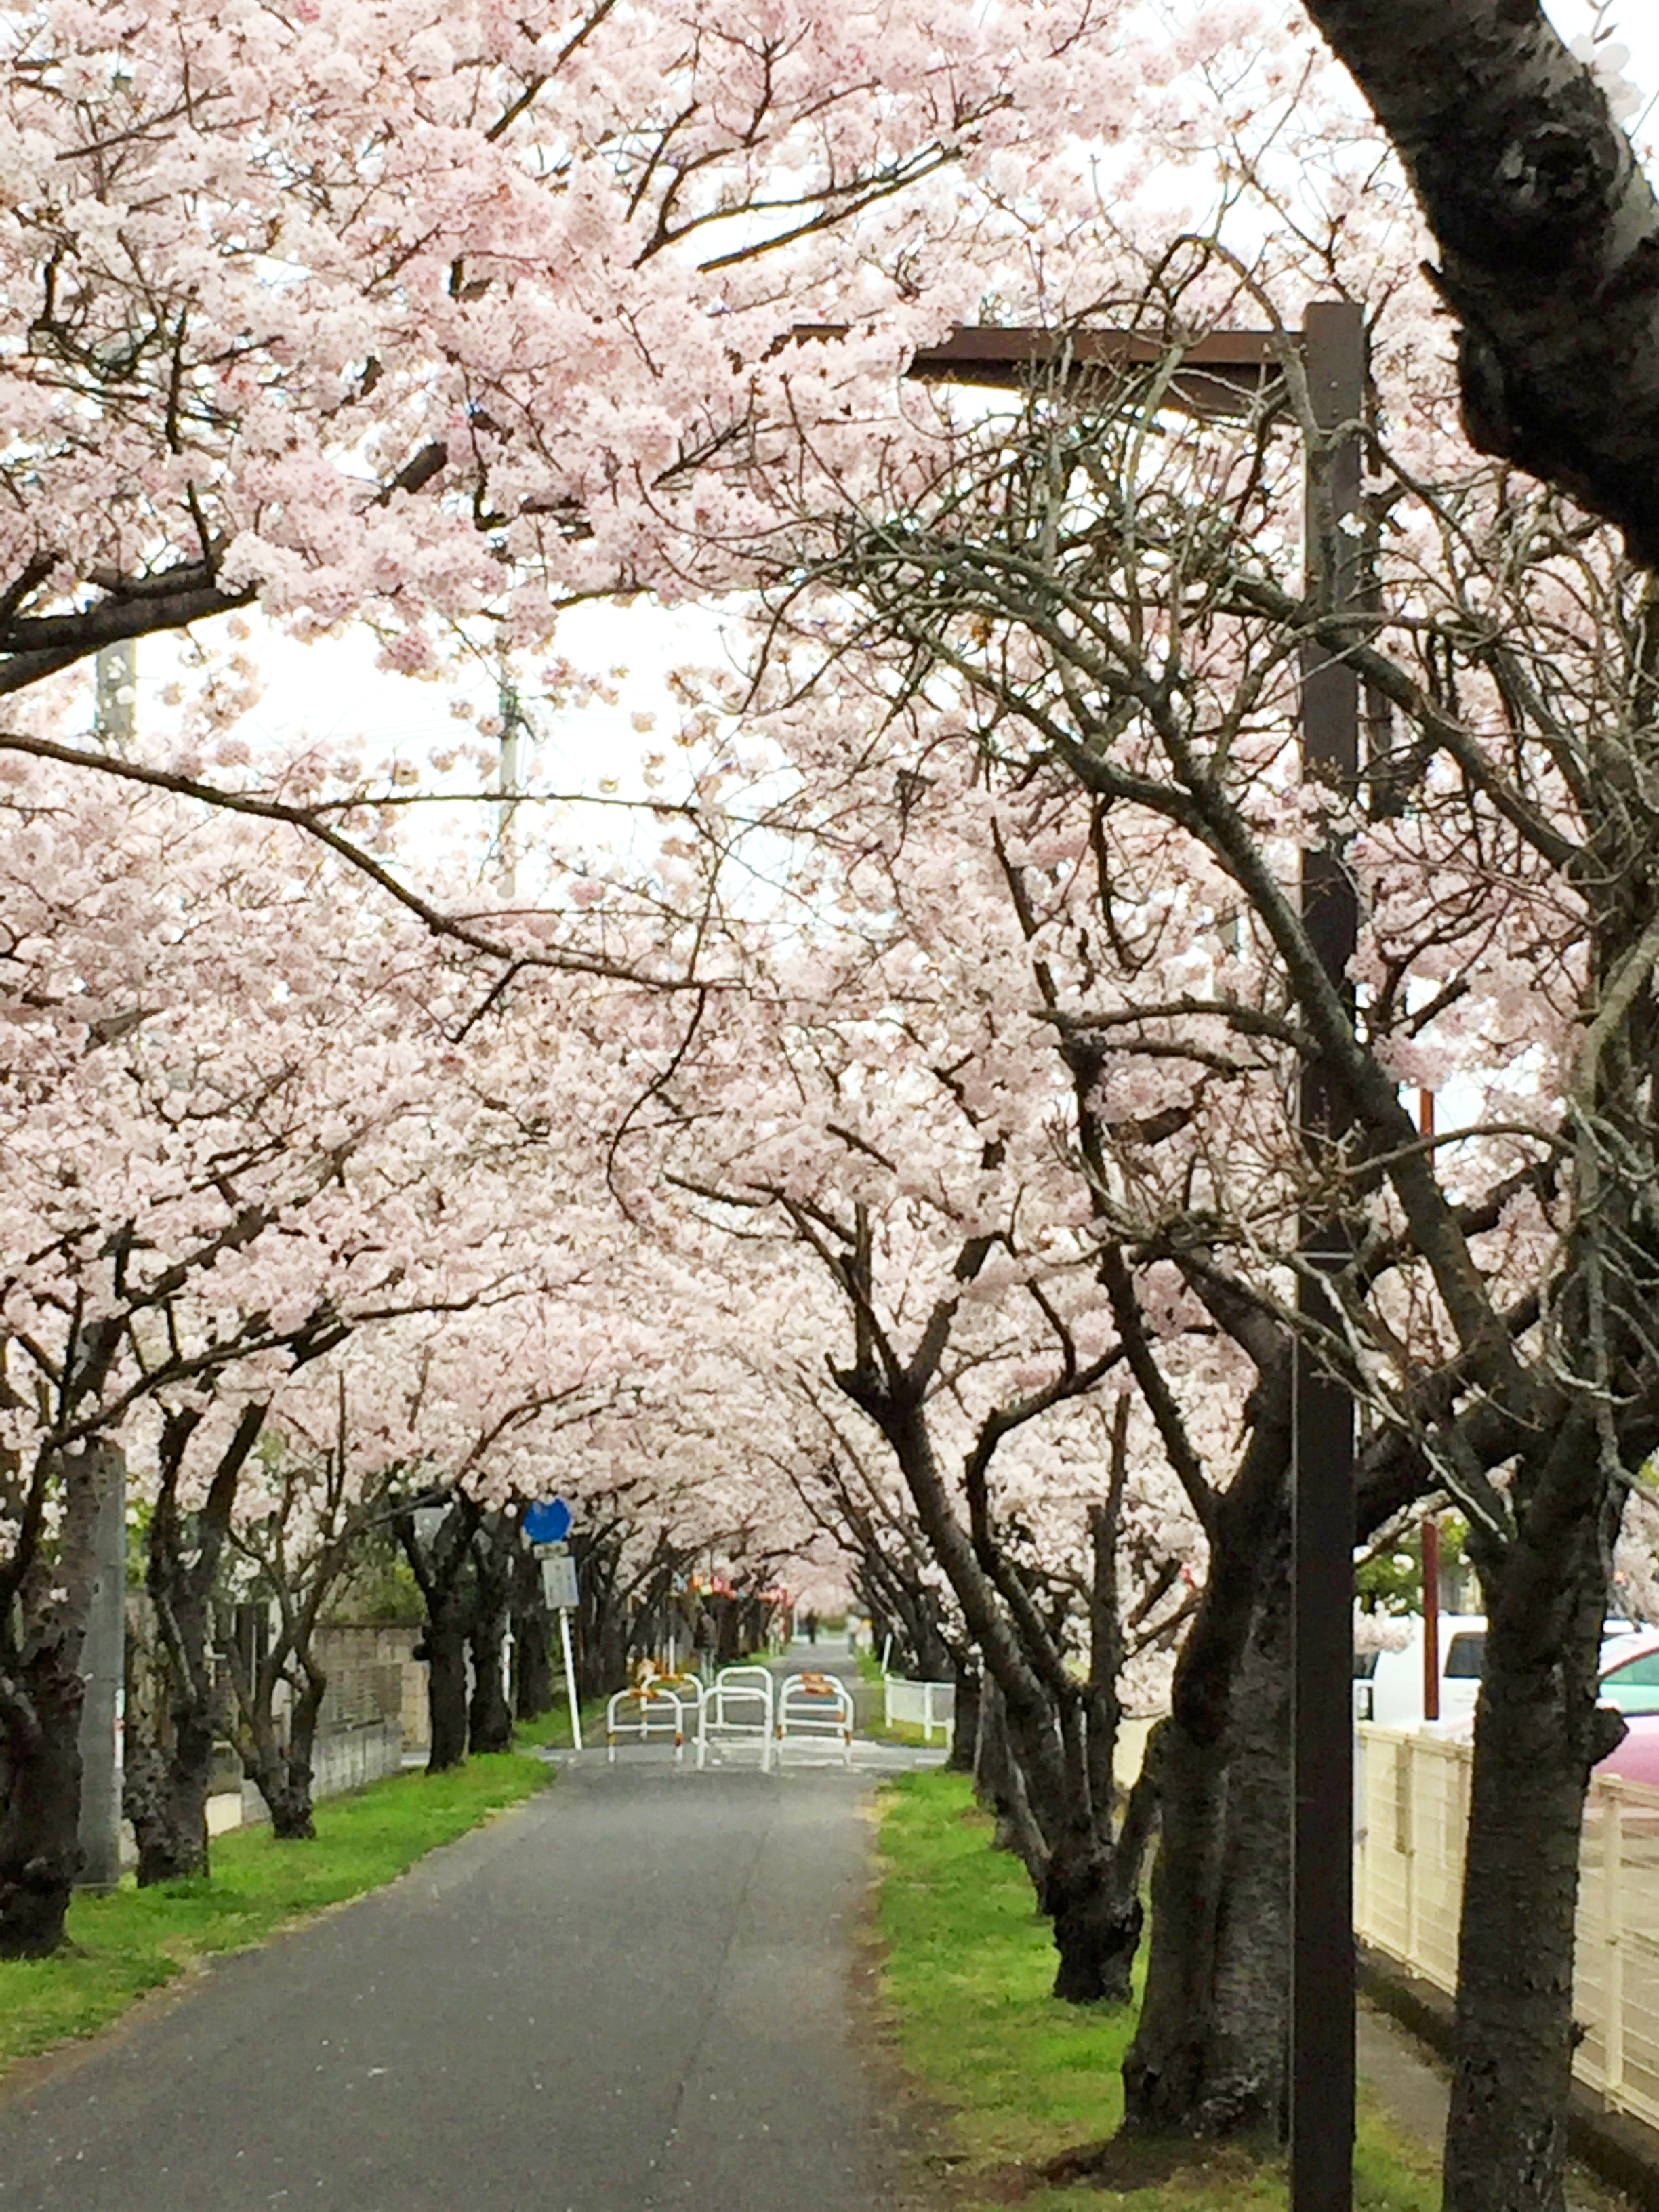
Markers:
570,1678
547,1526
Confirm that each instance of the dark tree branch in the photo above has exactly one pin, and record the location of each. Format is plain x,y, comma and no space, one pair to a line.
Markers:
1548,234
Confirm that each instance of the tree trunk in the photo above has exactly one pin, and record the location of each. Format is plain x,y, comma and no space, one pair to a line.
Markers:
41,1694
1097,1918
1536,1737
172,1730
1210,2053
1002,1787
532,1640
444,1651
490,1716
964,1737
497,1548
1177,2080
164,1794
1546,225
1165,2068
1243,2087
282,1772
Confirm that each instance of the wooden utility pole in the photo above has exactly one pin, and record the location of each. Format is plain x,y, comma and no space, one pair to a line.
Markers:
115,715
1430,1528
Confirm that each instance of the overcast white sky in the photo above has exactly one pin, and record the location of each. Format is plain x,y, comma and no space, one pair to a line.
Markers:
332,691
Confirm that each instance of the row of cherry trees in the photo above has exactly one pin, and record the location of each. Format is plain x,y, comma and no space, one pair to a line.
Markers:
309,1237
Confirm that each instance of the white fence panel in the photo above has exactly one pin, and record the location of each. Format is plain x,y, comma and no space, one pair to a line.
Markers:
1411,1813
926,1706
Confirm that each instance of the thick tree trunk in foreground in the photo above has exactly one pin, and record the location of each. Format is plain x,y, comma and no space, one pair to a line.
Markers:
1165,2069
1243,2087
1537,1734
41,1694
1548,234
1209,2054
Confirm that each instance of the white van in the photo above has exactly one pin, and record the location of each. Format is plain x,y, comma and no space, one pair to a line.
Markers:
1388,1685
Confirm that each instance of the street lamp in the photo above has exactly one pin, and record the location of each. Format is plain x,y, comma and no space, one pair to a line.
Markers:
1222,374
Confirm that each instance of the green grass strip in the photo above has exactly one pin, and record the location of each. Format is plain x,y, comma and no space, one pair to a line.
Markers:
132,1940
967,1971
552,1728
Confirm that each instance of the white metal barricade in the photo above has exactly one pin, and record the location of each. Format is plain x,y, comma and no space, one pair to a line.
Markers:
655,1712
737,1714
688,1688
815,1708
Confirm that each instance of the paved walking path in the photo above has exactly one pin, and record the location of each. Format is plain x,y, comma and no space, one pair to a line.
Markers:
630,1996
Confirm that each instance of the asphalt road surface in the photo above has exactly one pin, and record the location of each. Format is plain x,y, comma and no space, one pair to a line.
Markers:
632,1995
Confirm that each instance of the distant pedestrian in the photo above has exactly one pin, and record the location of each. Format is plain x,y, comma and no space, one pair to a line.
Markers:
812,1628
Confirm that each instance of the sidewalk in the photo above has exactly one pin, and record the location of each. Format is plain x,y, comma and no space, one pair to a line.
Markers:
1412,2083
1412,2086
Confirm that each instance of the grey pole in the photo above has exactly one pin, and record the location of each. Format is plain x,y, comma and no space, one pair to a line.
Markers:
103,1654
511,712
116,667
1322,1512
103,1665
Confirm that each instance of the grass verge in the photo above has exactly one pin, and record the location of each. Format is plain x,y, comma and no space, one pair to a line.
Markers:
552,1728
131,1940
967,1971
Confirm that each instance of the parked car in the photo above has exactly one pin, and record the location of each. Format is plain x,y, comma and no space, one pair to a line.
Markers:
1389,1685
1630,1681
1630,1672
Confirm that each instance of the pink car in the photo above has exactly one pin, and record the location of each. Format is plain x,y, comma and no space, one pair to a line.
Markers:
1630,1680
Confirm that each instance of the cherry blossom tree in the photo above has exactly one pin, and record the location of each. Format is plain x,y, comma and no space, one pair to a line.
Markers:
893,1105
409,312
1127,615
236,1129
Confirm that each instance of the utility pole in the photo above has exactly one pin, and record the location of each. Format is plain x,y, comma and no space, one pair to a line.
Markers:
1322,1977
103,1668
513,729
1225,373
116,667
103,1655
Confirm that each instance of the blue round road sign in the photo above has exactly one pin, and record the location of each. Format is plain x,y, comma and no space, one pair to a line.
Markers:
548,1523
